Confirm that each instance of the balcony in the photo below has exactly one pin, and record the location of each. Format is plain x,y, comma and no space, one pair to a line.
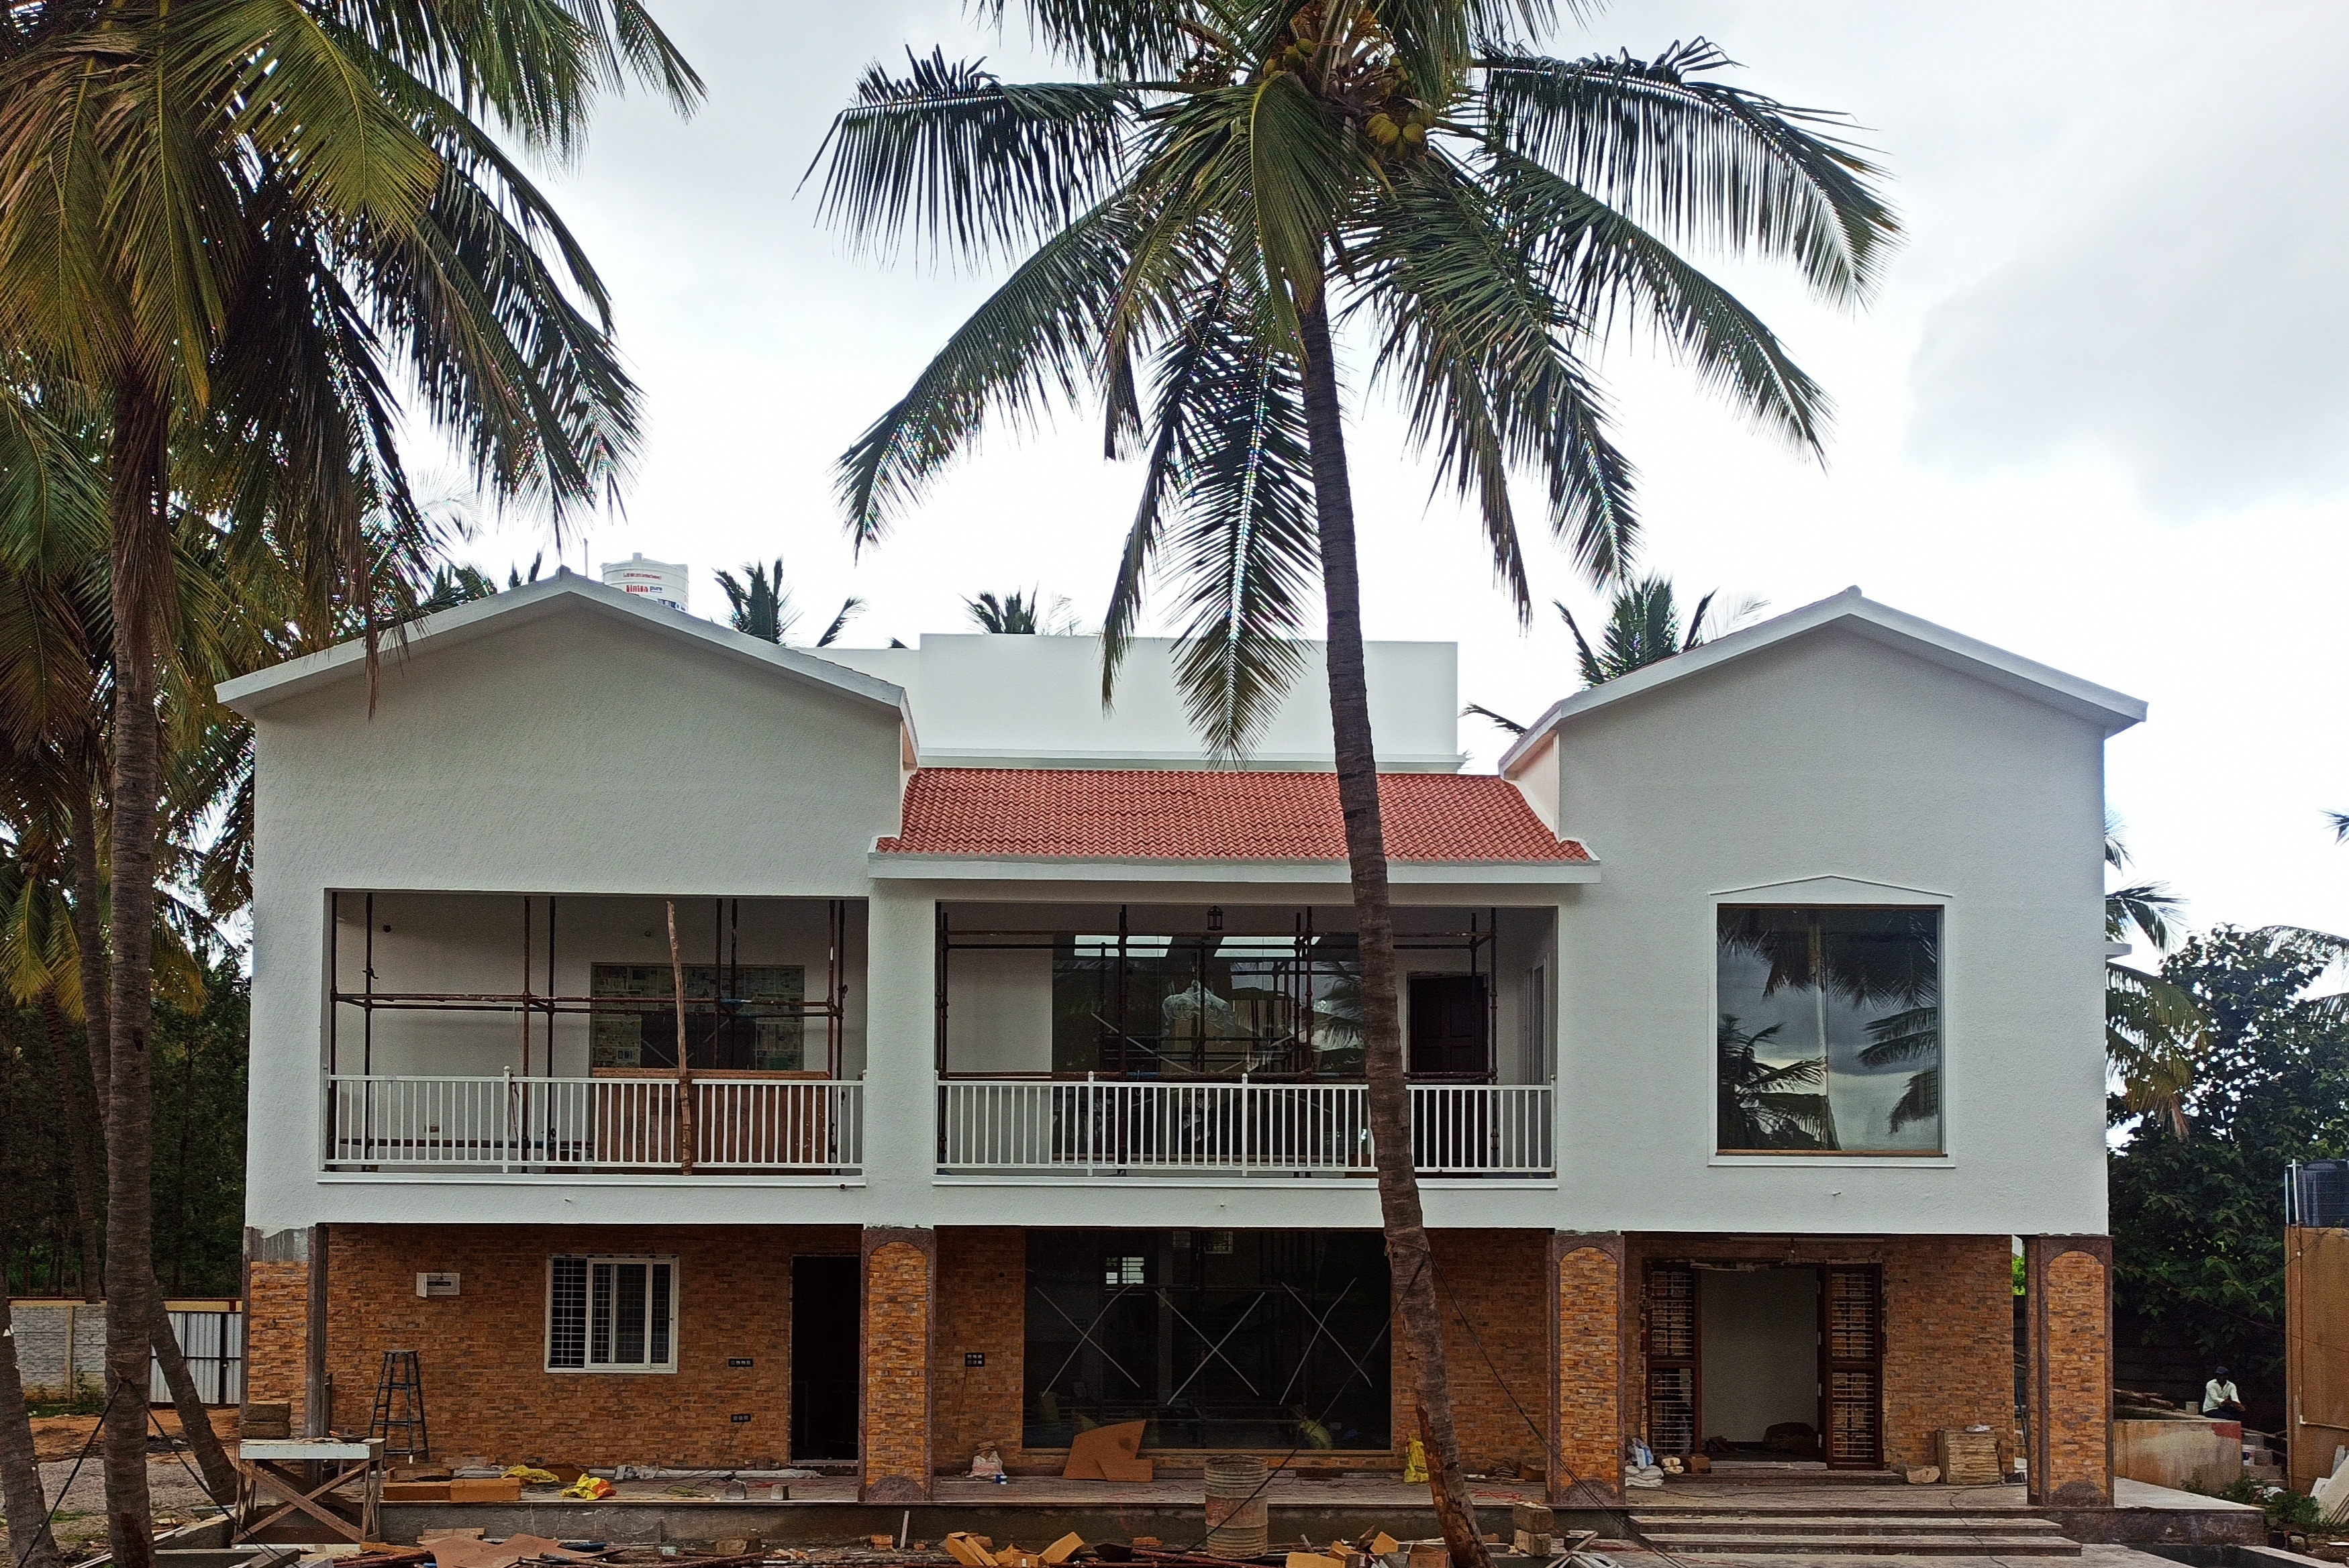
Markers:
740,1125
473,1033
1240,1130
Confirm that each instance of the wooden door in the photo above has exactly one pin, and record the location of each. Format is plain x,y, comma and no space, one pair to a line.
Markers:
1449,1038
1851,1366
1668,1325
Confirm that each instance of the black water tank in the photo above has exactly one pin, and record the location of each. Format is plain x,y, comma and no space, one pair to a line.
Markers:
2321,1199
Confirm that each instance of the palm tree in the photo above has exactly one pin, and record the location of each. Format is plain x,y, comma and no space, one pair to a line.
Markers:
1763,1106
2340,821
223,226
2153,1029
1644,626
763,608
1021,614
1231,178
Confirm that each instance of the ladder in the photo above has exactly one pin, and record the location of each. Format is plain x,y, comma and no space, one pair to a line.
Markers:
399,1417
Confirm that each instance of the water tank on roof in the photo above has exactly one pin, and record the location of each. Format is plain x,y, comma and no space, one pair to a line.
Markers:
2319,1194
661,580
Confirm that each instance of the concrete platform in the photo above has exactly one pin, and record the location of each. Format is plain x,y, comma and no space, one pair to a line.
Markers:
825,1512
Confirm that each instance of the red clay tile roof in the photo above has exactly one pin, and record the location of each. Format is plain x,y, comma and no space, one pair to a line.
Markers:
1165,814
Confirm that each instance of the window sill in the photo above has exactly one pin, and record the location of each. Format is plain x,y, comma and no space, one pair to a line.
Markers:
610,1371
1835,1162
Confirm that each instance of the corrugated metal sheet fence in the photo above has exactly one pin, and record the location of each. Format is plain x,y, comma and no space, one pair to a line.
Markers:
61,1349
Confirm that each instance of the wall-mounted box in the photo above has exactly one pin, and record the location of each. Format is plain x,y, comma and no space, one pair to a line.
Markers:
428,1284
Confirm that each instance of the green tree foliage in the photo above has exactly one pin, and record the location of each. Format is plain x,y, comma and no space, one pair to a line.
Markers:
2197,1222
200,1081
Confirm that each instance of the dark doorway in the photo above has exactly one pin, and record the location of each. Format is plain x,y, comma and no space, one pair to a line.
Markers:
826,1362
1448,1035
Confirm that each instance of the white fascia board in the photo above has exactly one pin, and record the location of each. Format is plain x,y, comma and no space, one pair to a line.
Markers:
249,695
890,867
2112,710
1182,761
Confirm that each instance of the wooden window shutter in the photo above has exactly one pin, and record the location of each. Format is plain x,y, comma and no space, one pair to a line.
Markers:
1672,1355
1851,1367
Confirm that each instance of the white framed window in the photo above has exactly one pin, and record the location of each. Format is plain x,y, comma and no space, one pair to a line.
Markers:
611,1314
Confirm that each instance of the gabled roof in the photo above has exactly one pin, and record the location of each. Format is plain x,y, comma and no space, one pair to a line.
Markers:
566,591
1175,815
1852,610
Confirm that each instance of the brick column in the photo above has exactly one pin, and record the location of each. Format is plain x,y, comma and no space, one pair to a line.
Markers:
2068,1284
1587,1397
901,1271
277,1357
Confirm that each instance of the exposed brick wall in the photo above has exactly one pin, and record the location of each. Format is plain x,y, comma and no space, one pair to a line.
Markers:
899,1315
1588,1358
277,1334
1948,1317
1490,1292
982,1310
486,1388
2070,1376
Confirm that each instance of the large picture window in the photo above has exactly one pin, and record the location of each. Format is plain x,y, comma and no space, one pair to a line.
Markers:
611,1314
1828,1029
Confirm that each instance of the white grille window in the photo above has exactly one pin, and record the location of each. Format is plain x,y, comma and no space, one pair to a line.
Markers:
611,1314
1124,1270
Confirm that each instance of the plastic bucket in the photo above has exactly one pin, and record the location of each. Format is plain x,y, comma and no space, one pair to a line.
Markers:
1239,1515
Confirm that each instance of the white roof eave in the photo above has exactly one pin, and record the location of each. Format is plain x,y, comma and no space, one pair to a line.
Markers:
254,694
2112,711
887,865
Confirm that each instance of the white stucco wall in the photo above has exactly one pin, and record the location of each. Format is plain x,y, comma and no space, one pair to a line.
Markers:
580,754
572,753
1834,769
1014,701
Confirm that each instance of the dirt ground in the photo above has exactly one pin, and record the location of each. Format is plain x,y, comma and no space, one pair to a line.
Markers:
62,1437
80,1514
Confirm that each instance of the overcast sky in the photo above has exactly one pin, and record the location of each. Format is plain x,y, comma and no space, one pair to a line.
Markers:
2094,415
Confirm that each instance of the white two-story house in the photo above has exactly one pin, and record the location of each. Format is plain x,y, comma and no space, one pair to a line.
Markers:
1754,1015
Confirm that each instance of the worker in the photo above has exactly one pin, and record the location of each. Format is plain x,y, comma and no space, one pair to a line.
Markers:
2219,1399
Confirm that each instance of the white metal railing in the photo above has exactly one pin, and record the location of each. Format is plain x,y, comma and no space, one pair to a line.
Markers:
1114,1127
516,1123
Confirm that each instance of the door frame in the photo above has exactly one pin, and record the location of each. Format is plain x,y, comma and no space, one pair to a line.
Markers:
1697,1267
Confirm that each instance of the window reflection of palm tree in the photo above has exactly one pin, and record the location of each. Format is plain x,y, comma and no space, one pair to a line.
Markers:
1898,969
1765,1107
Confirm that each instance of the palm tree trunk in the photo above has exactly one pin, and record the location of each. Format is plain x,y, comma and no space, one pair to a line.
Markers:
90,927
81,1144
140,557
30,1544
1409,1257
195,1420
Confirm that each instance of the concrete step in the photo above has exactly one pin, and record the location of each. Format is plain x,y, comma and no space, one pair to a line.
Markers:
1719,1545
1944,1522
1858,1533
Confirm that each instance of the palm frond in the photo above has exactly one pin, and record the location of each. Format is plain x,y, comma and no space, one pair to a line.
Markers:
850,607
1604,267
1697,159
2147,907
1026,346
965,161
2340,821
1478,347
1240,534
1502,719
